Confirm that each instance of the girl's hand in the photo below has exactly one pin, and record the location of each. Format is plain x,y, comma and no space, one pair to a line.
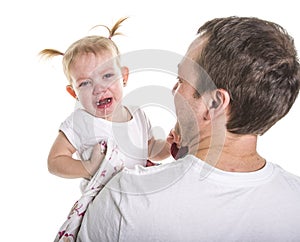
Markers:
98,154
174,137
171,137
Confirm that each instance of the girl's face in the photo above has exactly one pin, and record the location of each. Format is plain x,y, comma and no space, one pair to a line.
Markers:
98,83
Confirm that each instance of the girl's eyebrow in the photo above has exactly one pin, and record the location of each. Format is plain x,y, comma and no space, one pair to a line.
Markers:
105,69
100,71
81,79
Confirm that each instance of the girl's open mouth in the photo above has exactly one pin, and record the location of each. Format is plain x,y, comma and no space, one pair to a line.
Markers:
104,103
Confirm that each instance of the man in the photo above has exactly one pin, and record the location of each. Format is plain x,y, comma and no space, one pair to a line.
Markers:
238,78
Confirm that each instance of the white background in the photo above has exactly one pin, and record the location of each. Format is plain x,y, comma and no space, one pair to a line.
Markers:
33,99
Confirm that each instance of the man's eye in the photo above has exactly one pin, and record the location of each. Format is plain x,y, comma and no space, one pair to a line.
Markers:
179,80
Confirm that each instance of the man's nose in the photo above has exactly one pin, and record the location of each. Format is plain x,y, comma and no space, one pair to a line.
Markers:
174,88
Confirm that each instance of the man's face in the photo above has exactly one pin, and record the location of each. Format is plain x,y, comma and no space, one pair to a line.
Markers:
190,107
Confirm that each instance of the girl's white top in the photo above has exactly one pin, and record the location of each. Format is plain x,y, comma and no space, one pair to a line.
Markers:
84,130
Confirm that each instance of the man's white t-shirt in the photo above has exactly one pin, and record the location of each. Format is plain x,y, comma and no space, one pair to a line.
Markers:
84,131
189,200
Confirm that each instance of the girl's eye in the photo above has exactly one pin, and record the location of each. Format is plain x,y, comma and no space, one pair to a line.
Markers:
84,83
108,75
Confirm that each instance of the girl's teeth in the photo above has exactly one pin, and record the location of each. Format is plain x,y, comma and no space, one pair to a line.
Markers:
107,100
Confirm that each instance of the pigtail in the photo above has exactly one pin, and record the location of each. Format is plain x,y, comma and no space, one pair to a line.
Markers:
49,53
113,30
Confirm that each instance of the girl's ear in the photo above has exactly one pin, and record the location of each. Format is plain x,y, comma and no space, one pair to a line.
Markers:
125,74
71,91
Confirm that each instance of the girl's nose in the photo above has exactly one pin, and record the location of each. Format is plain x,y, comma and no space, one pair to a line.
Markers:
99,88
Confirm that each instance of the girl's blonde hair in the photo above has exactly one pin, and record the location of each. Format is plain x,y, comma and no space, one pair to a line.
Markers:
90,44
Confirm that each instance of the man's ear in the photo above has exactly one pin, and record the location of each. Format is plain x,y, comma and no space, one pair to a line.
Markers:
219,99
218,102
71,91
125,74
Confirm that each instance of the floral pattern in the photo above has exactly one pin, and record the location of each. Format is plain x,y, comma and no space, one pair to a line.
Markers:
112,163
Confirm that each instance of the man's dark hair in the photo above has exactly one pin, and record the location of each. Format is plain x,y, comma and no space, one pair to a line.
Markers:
255,61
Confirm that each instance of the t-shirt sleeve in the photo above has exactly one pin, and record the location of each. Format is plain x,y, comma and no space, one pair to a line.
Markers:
67,127
148,126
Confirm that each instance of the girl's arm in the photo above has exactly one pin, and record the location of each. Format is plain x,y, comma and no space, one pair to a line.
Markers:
61,162
158,149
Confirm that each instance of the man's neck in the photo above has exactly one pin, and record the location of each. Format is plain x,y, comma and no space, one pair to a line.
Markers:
237,153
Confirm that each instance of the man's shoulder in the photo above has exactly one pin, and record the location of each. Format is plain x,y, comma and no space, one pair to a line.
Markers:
141,180
291,179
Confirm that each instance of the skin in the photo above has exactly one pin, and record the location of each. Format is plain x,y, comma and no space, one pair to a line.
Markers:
174,136
97,78
212,142
97,82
